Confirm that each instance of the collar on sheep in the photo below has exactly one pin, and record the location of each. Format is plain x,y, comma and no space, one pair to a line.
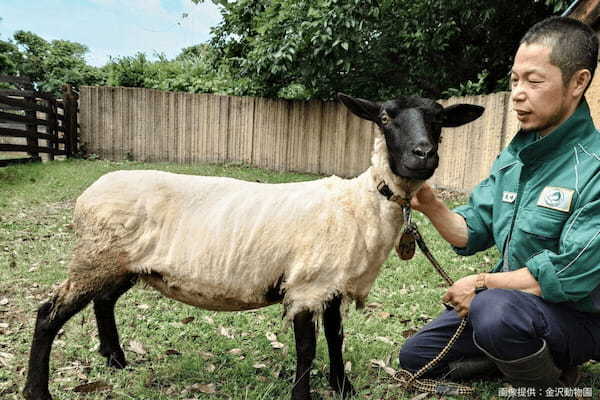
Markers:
386,192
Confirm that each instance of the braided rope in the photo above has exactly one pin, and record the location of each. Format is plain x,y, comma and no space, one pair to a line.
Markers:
409,380
406,378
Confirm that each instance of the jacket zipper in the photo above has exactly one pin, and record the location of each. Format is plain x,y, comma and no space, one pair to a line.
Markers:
505,259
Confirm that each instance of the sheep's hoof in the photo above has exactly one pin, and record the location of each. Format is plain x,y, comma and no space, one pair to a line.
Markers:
116,360
32,394
305,396
343,387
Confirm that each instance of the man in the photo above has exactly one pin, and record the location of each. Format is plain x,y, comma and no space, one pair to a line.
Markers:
539,316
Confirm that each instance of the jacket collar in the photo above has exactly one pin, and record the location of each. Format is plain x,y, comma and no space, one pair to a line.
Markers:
575,129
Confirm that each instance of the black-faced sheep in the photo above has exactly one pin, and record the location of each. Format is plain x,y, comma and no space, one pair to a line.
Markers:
225,244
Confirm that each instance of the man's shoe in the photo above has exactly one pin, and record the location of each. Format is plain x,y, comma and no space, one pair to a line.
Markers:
469,368
536,371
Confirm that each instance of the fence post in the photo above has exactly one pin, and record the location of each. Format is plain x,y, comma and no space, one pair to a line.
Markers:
70,119
32,130
52,128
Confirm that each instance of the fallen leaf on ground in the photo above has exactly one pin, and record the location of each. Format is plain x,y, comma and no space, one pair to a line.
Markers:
259,365
408,332
137,347
172,352
4,301
5,359
384,340
377,363
92,387
235,352
211,367
208,320
203,388
271,337
206,355
187,320
348,366
420,396
225,332
277,345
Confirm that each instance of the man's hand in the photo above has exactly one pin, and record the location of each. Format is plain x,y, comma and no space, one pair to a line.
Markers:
424,199
461,294
450,225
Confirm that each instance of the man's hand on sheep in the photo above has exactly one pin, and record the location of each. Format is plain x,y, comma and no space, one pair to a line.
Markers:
449,224
424,200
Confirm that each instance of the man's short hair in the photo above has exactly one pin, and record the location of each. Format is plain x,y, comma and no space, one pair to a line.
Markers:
574,44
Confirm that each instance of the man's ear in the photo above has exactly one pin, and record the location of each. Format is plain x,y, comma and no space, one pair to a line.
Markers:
580,81
460,114
363,108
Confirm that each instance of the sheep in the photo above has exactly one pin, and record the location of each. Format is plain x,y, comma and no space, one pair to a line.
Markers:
225,244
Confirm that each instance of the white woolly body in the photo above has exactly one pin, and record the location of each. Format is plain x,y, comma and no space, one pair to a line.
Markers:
221,243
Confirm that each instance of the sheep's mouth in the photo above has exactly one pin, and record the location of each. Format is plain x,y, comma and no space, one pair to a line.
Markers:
419,174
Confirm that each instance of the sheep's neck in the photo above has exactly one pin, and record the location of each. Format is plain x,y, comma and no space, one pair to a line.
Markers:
382,173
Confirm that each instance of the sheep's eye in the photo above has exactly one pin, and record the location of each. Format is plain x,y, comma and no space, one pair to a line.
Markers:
385,119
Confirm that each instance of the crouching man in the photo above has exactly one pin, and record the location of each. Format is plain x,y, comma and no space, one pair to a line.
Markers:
536,316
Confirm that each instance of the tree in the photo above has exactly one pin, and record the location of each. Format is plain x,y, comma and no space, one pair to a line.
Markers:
49,65
373,48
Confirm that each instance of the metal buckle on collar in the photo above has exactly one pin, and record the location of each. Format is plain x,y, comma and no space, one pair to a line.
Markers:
385,190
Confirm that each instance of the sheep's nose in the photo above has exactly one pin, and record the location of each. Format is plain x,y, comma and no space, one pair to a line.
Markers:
422,151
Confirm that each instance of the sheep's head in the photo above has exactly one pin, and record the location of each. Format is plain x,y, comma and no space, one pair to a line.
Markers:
412,127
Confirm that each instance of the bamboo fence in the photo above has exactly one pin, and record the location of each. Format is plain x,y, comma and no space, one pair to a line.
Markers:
317,137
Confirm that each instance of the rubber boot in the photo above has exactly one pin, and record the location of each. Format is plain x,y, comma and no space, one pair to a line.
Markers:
536,371
469,368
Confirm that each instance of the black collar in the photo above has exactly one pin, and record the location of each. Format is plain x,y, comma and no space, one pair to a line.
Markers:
385,190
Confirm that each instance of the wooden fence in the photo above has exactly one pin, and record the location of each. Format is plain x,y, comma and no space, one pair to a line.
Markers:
33,122
317,137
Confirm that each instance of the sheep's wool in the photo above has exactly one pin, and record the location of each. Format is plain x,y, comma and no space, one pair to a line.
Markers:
223,244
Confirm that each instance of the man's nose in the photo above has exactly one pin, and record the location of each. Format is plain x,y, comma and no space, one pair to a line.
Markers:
517,93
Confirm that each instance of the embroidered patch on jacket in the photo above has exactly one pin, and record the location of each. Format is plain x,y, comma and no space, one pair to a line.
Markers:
556,198
509,197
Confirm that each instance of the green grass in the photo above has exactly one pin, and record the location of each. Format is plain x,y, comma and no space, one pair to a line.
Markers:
36,203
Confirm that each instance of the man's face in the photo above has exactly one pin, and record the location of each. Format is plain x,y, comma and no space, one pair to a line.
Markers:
539,97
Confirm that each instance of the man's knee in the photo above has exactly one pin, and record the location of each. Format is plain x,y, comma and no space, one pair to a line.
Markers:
495,316
410,357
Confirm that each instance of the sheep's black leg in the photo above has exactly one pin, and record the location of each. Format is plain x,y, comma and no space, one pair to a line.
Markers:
306,343
332,321
51,316
104,308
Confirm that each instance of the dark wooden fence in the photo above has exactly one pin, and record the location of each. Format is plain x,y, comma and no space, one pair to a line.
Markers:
36,122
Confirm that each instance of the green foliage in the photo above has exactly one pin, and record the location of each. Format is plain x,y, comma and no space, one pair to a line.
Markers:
9,56
558,6
374,49
49,64
191,71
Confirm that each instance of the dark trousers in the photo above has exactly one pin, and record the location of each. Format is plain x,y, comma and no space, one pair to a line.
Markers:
508,324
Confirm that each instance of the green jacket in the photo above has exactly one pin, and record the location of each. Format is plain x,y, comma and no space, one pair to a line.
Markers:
541,207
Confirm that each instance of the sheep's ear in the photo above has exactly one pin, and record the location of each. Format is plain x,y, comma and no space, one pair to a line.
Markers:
363,108
460,114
